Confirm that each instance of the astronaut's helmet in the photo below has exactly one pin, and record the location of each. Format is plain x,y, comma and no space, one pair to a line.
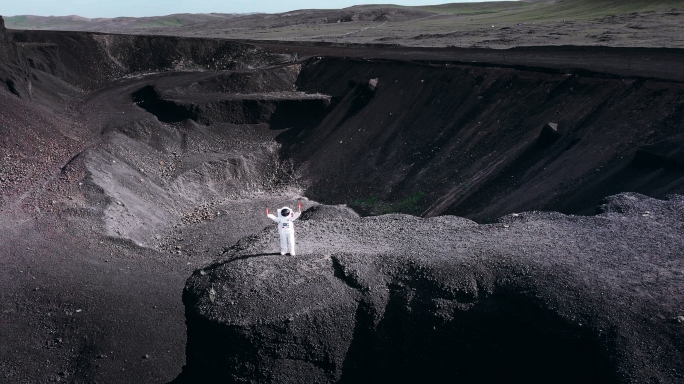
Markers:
285,212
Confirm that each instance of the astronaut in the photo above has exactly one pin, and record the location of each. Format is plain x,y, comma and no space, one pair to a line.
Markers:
285,220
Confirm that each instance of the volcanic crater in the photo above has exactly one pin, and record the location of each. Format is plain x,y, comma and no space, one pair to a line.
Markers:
465,217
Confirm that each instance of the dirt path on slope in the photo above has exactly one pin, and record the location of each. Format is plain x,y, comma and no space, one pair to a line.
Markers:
661,63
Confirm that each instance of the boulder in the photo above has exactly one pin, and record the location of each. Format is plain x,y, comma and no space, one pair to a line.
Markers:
535,297
549,134
372,84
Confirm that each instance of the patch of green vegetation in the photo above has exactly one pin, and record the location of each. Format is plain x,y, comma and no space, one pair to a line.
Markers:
410,204
584,9
163,22
473,8
374,206
15,21
334,30
518,11
372,201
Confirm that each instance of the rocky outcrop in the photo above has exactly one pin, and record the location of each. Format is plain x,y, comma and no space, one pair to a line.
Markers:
666,154
549,135
8,50
279,110
330,212
90,59
534,297
13,71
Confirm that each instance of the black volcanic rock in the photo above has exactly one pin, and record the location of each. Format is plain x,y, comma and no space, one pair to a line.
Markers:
667,154
329,212
535,297
5,42
91,59
13,68
549,134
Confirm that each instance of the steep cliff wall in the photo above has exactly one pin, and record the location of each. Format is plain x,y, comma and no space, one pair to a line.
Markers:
435,138
6,46
14,73
91,58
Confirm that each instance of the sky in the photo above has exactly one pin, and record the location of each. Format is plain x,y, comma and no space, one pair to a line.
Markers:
140,8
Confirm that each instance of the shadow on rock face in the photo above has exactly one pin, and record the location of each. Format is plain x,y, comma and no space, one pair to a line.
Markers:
329,212
166,111
505,338
666,154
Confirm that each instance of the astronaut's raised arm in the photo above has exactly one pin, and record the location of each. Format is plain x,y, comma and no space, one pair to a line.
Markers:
270,216
297,214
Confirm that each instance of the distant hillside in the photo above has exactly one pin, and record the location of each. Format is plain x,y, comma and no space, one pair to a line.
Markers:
120,24
503,24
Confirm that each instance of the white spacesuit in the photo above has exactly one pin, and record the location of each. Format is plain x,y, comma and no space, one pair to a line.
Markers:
285,219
